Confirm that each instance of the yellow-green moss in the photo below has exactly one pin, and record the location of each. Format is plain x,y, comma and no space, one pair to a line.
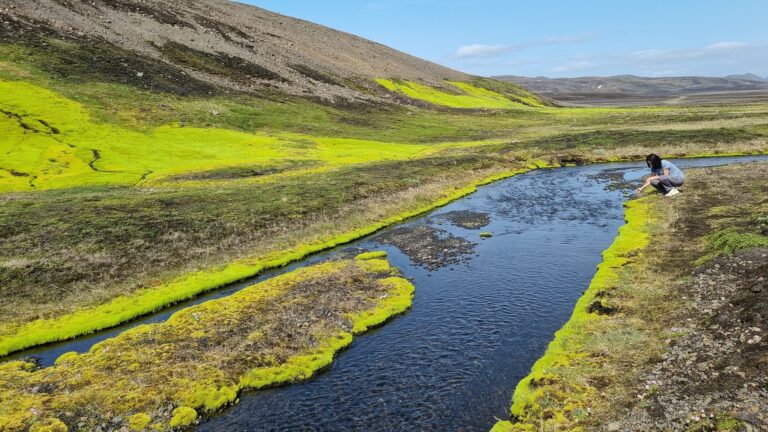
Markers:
464,95
49,425
398,300
545,396
188,360
183,416
139,422
371,255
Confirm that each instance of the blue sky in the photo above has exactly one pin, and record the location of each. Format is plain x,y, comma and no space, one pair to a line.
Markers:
558,38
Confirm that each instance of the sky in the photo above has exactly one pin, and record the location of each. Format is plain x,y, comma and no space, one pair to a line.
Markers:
558,38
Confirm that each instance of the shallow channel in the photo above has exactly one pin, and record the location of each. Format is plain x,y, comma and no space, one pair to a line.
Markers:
485,308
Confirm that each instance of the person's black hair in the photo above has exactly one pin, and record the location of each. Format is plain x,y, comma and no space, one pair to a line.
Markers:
653,161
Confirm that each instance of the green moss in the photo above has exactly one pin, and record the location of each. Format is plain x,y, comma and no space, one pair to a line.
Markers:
203,356
69,149
183,416
486,234
726,423
371,255
49,425
731,240
398,300
464,95
139,422
544,393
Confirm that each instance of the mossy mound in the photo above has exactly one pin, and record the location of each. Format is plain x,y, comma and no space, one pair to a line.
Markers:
280,331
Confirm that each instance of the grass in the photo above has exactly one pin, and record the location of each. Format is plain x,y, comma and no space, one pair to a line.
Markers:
122,196
591,371
45,317
458,95
51,142
166,375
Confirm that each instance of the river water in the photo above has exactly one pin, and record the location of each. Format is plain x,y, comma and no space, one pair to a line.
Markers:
484,311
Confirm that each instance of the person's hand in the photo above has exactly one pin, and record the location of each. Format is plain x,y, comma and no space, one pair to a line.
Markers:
638,190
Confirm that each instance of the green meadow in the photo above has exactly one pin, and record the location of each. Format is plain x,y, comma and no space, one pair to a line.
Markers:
118,200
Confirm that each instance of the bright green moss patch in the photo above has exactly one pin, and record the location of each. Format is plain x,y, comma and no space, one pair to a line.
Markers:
50,142
280,331
465,95
371,255
183,416
49,425
139,422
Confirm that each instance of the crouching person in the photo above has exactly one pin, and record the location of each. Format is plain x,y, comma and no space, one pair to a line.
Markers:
665,176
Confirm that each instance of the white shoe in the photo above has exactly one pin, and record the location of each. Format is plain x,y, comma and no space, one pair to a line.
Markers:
672,192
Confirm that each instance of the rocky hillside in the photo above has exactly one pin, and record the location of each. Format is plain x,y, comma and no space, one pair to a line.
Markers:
199,47
621,86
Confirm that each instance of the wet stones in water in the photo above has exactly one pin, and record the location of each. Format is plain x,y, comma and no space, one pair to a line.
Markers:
615,180
429,247
543,197
467,219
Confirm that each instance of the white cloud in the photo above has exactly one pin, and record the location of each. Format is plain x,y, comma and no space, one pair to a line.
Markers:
481,50
726,46
719,58
488,50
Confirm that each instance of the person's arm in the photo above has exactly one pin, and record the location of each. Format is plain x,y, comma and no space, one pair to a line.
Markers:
646,184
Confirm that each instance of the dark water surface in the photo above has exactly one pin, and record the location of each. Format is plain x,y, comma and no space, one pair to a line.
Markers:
477,324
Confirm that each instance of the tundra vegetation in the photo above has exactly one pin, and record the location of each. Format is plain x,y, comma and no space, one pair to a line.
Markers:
128,183
668,336
162,376
118,200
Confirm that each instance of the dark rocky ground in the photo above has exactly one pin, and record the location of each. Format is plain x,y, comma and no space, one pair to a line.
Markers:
720,363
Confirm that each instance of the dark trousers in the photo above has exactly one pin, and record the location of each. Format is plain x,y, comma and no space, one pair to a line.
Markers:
664,183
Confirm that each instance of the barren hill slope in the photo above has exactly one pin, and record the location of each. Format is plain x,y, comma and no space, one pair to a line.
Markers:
187,46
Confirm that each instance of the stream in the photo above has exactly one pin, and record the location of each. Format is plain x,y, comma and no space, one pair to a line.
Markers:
484,311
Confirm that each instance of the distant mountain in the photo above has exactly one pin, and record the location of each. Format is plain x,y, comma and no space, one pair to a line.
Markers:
748,77
622,86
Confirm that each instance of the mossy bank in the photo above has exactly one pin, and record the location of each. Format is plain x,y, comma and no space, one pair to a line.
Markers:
167,375
624,359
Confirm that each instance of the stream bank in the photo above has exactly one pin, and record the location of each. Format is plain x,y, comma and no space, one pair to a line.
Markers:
683,344
480,319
